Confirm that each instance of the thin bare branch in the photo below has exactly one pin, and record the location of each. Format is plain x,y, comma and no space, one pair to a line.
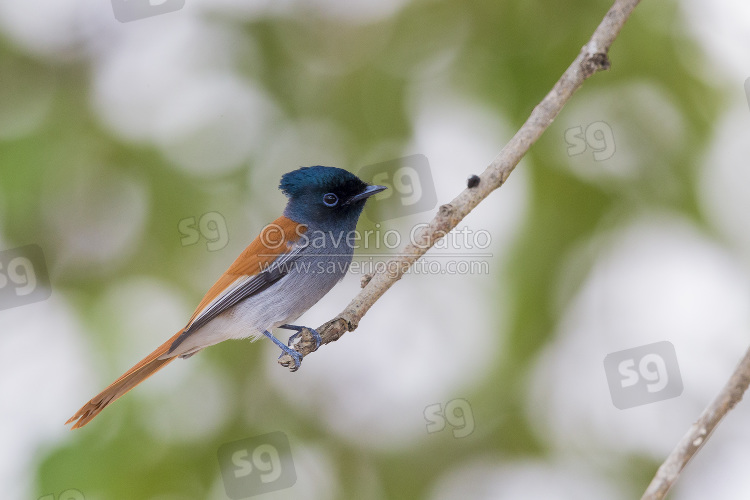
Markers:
592,58
699,432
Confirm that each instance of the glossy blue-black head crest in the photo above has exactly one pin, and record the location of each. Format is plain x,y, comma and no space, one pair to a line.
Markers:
306,179
324,197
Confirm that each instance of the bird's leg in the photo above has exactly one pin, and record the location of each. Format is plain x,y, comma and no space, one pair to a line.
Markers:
298,329
297,357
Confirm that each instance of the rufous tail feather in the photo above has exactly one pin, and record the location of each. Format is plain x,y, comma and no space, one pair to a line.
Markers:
131,378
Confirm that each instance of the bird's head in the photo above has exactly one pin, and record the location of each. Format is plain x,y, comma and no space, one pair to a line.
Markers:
325,197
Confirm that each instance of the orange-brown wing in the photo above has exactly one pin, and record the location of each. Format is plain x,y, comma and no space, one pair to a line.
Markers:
278,241
261,264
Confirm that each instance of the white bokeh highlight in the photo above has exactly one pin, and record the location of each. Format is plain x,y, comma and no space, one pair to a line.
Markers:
722,27
56,29
42,356
645,123
174,85
725,178
657,279
491,479
315,470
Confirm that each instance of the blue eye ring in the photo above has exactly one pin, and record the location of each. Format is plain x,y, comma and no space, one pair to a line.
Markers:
330,199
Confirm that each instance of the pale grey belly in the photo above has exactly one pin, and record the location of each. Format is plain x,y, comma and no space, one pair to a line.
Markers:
286,300
311,277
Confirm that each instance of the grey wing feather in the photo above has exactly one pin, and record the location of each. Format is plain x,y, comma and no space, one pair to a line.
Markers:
241,289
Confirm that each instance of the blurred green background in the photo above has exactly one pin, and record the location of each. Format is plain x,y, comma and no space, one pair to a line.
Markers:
624,225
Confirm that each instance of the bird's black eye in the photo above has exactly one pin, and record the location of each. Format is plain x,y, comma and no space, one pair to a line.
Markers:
330,199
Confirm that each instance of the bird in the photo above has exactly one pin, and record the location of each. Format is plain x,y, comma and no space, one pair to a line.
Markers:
294,261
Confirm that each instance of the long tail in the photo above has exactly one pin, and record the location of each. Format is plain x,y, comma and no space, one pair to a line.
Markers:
140,372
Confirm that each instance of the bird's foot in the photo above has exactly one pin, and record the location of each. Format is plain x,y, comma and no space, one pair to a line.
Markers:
296,357
298,329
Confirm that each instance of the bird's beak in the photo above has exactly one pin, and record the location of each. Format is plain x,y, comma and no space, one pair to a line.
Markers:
369,191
